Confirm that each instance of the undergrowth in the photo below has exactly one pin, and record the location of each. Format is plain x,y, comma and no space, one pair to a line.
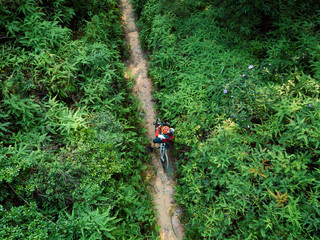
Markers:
70,158
239,80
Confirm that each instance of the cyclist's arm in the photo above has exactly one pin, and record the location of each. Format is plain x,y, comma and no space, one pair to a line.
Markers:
168,139
157,131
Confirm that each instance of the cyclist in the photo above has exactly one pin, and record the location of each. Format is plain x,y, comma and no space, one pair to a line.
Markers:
164,133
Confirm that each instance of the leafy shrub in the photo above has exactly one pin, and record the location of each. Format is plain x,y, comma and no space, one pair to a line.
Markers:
237,80
70,159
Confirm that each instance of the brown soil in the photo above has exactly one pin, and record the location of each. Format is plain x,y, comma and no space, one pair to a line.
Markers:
162,183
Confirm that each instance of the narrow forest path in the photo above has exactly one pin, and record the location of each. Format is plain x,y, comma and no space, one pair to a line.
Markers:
163,185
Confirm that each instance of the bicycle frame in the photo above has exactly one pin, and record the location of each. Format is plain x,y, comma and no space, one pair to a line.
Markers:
164,155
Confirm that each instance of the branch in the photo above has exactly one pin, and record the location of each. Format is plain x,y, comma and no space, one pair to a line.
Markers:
5,37
30,205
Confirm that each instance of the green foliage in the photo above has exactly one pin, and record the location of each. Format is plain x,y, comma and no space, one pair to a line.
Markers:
102,28
251,18
239,81
70,160
15,223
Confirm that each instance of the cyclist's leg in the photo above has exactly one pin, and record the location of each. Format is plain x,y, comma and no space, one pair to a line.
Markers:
157,140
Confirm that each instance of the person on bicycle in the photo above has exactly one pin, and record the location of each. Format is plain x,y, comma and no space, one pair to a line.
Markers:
164,133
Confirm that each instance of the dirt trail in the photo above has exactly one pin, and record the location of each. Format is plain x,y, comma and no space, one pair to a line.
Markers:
163,184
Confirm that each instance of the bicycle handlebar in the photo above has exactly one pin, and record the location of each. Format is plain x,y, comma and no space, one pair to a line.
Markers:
158,122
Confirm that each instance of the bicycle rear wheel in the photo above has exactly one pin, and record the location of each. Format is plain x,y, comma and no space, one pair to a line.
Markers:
164,156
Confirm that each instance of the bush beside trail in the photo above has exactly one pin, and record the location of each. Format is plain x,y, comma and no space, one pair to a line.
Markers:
69,168
241,86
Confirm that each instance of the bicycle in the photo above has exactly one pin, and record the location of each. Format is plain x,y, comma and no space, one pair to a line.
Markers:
163,148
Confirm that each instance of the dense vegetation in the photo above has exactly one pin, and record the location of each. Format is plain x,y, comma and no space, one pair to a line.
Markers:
70,158
239,80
